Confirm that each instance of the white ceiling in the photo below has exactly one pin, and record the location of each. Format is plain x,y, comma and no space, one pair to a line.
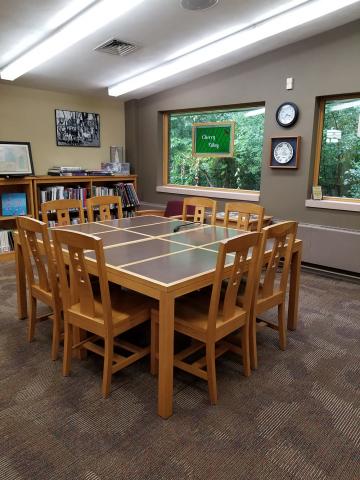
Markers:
159,27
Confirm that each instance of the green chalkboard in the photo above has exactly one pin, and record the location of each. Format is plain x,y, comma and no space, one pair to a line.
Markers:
213,139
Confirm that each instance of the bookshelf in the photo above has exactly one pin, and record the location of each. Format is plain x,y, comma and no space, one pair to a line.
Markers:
83,183
15,185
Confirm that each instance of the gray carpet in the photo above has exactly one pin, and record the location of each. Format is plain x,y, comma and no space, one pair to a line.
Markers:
297,417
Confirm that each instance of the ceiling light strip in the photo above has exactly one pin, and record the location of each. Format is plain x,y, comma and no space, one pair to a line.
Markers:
285,21
81,26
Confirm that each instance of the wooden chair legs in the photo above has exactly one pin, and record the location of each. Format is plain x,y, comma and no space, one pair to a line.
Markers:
107,373
68,342
245,347
282,327
154,362
211,372
32,318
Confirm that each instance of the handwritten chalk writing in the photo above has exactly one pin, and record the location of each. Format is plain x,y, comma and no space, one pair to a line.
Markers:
208,137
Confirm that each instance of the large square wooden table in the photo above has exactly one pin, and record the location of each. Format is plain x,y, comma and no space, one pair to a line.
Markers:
146,255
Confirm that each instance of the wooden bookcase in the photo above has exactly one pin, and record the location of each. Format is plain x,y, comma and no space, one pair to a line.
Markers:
87,182
13,185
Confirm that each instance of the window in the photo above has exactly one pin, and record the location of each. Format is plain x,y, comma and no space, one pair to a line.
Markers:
241,171
338,149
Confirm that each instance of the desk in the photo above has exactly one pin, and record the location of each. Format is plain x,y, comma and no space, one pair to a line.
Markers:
144,254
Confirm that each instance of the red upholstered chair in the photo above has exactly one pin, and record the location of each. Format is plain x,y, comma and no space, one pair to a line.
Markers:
173,209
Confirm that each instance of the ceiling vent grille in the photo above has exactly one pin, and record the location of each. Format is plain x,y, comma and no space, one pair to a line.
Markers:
117,47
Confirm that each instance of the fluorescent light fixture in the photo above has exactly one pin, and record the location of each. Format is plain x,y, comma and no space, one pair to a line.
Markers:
80,27
67,13
254,113
295,17
345,105
236,28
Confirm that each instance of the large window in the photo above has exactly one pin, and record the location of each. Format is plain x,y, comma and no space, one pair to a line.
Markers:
338,154
240,171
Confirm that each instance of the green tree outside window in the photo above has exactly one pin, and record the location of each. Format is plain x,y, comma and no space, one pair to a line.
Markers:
339,174
242,171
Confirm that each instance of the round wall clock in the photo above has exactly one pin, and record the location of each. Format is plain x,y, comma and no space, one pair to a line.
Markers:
287,114
283,152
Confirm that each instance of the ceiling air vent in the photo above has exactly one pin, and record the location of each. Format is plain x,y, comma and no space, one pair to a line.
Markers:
117,47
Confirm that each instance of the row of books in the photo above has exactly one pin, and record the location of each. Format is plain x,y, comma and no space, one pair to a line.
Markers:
126,191
6,241
60,192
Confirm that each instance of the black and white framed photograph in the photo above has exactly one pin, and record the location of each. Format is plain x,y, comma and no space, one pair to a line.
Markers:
77,129
285,152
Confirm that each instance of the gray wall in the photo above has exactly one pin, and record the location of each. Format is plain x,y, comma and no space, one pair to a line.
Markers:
322,65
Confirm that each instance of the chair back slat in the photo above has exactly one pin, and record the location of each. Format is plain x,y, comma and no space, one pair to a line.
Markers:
240,246
283,236
31,233
78,288
200,204
244,211
62,209
104,204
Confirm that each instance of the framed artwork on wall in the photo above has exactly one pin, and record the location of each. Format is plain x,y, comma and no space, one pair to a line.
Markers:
77,129
15,159
285,152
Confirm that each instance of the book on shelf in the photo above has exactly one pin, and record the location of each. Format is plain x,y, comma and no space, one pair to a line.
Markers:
6,241
126,191
13,204
61,192
99,173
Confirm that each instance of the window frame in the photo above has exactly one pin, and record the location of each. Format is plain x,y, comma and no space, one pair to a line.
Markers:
165,148
318,145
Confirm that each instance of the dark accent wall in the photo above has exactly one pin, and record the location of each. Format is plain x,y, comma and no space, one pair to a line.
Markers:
322,65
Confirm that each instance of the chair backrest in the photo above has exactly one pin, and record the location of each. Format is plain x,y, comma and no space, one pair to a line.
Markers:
62,208
41,260
77,289
104,203
244,212
200,204
239,246
174,207
282,236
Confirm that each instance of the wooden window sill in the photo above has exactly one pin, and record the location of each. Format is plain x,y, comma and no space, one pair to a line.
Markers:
204,192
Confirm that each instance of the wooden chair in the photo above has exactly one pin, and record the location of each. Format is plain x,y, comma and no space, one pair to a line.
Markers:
244,212
104,203
104,317
208,319
200,204
61,208
271,286
44,285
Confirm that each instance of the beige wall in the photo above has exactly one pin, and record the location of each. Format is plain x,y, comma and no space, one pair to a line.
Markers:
322,65
27,115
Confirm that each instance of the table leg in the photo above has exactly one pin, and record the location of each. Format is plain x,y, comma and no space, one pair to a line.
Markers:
166,355
20,282
294,288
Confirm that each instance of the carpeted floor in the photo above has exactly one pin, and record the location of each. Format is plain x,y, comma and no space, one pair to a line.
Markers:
297,417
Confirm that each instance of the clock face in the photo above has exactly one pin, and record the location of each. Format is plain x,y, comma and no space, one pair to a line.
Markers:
287,114
283,152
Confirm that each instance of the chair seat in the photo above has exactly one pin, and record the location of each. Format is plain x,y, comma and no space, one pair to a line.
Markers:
192,312
128,310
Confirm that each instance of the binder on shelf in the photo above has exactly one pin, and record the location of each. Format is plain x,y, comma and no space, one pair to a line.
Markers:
13,204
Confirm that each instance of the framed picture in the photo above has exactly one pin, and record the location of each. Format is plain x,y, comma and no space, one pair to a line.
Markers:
285,152
77,129
213,139
15,159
